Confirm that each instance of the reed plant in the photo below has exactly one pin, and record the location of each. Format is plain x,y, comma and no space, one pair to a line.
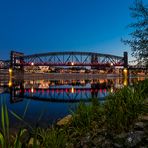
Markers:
142,87
85,120
123,108
4,134
5,137
52,137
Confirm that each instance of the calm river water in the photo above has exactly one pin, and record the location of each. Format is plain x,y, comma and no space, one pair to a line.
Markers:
46,101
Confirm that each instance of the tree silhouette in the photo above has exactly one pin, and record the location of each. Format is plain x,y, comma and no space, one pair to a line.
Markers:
139,35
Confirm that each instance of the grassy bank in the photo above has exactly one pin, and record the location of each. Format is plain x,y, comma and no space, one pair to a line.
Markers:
94,125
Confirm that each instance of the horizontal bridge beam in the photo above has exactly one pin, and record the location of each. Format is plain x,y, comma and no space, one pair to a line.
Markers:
72,53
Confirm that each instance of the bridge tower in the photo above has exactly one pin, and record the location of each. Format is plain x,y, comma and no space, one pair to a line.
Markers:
16,58
125,58
125,69
16,67
94,59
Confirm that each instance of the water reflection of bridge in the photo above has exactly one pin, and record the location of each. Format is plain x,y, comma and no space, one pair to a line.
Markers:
64,94
63,91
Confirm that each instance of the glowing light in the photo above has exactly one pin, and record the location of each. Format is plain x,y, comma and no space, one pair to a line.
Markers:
72,90
10,83
10,70
111,64
125,82
72,63
32,90
111,90
125,71
32,64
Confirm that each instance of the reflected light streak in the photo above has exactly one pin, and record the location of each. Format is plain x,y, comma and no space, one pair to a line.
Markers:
72,90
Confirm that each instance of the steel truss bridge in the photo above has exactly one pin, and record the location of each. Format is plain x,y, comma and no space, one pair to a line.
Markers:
72,59
95,60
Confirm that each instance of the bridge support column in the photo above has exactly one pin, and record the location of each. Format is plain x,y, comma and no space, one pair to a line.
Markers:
125,58
125,69
16,67
94,59
16,60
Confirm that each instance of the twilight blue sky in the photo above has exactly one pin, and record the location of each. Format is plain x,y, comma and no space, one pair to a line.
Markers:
35,26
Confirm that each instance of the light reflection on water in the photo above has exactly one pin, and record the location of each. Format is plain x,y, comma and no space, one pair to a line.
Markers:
53,99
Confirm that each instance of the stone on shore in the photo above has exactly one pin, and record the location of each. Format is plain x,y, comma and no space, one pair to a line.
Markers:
64,121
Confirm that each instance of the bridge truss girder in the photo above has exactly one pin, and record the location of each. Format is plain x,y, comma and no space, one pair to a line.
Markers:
70,59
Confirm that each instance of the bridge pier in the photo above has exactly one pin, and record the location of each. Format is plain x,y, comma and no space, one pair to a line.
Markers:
16,66
94,59
125,69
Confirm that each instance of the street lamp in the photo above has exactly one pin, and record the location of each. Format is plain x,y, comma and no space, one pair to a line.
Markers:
32,64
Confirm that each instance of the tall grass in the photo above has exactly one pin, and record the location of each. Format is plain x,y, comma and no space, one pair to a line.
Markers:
123,108
4,136
86,119
53,137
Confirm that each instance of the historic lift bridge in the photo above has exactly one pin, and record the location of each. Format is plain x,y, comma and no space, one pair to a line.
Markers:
94,60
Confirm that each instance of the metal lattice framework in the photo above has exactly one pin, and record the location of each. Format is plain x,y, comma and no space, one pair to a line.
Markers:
70,59
4,64
137,65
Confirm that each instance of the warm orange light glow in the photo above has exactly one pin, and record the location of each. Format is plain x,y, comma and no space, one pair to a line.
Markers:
10,83
125,82
125,71
72,90
10,70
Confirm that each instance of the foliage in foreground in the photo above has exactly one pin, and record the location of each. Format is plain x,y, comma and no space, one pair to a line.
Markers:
117,114
123,108
139,34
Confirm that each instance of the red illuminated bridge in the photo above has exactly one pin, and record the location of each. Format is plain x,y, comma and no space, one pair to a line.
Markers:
95,60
